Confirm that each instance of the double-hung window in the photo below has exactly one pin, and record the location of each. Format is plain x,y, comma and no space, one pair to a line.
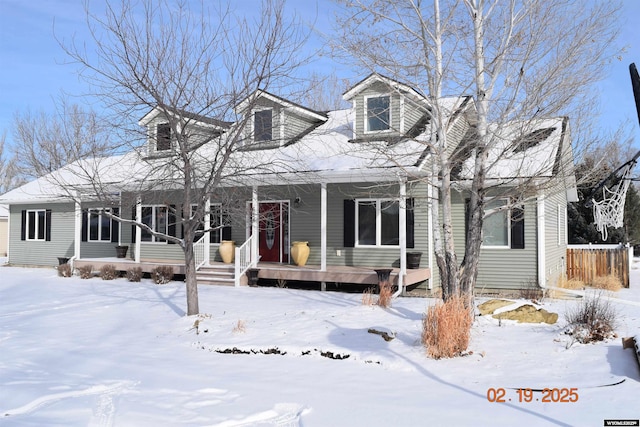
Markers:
163,137
503,225
378,115
99,225
36,225
156,218
263,125
378,222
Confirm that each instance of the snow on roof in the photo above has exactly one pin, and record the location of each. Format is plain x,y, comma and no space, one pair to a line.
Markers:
522,149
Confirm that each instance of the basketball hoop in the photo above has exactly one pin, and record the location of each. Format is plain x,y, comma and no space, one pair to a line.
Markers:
609,212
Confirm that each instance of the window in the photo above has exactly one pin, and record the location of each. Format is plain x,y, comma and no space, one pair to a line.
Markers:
36,225
99,226
156,218
378,113
503,225
163,137
378,223
262,125
217,232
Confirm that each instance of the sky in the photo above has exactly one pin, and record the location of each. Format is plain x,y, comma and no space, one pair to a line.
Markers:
34,69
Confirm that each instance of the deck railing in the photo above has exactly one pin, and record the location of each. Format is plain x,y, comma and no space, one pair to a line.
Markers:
198,251
243,259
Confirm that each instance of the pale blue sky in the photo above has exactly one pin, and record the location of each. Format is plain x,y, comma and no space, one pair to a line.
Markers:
32,70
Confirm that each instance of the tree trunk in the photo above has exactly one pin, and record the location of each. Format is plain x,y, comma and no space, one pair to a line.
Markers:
190,275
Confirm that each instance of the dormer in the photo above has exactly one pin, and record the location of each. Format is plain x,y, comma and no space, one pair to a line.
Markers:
164,127
386,109
273,122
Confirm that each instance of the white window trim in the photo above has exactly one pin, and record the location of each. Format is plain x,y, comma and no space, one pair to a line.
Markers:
27,222
98,211
378,243
508,209
154,238
366,115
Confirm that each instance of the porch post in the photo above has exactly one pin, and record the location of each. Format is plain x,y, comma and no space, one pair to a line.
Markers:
207,227
254,225
323,226
403,236
77,236
138,230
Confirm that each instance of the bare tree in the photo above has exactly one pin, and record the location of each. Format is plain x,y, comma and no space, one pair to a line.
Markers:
8,170
521,60
198,70
46,142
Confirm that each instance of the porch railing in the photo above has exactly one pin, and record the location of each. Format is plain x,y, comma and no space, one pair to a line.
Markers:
243,259
198,251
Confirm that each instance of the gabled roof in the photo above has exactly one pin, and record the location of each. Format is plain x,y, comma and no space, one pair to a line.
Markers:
379,78
297,108
200,119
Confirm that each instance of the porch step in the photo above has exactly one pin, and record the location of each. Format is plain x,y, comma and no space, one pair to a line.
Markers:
221,275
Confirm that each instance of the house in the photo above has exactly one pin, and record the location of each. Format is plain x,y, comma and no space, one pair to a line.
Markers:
352,183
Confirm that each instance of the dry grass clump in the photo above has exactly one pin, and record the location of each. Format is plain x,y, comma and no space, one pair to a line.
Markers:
134,274
446,328
240,327
162,274
594,319
565,283
108,272
367,297
64,270
86,271
384,296
608,283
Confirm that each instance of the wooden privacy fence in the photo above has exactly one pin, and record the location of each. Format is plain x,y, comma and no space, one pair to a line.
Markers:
586,263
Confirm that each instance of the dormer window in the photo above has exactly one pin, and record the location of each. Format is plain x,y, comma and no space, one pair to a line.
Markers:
378,117
262,125
163,137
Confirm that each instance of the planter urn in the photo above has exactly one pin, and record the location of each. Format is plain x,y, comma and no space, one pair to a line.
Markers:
300,253
227,250
121,251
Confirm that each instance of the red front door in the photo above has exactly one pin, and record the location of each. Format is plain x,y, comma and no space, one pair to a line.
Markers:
270,232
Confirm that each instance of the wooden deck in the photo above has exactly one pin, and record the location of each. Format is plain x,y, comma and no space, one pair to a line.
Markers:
276,271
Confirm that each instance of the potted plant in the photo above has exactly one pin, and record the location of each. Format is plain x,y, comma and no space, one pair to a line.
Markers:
227,249
121,251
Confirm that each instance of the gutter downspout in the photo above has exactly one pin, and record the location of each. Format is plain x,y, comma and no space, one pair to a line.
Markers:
541,242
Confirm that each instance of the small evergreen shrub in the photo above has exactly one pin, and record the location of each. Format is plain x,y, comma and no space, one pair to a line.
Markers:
446,328
64,270
162,274
86,271
134,274
594,319
108,272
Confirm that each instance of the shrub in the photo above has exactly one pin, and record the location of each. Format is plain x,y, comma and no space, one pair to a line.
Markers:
609,283
86,271
446,328
134,274
367,297
530,290
108,272
64,270
384,296
162,274
592,320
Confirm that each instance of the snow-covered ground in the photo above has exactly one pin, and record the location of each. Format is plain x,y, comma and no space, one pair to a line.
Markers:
91,352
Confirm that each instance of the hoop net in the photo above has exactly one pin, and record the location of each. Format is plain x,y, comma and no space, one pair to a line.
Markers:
609,212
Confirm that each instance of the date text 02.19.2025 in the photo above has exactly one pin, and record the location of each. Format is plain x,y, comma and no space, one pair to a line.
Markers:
526,395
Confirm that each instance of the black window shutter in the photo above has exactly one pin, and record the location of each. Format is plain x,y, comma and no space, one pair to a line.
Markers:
410,223
85,225
349,215
23,229
47,230
133,227
226,230
171,217
115,226
517,227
